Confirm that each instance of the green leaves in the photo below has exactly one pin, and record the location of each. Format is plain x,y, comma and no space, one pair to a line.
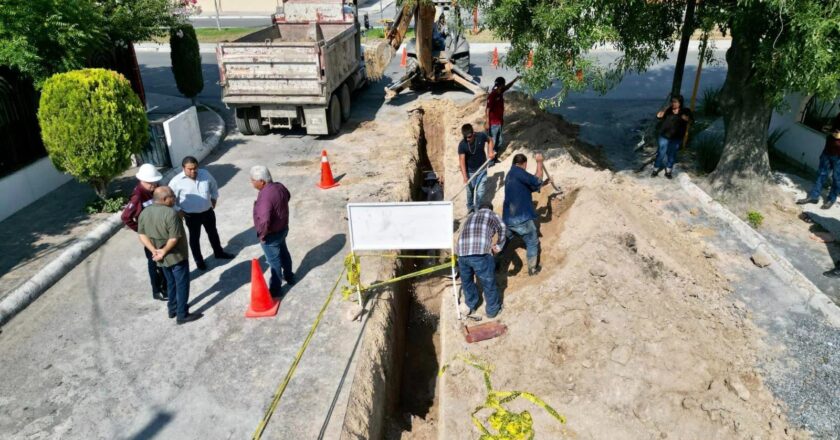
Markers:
186,60
91,123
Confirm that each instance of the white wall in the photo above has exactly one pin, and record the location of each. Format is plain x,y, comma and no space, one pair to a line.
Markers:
25,186
799,143
183,136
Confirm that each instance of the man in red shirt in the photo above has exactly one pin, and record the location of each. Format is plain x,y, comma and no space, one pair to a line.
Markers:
495,113
271,222
148,178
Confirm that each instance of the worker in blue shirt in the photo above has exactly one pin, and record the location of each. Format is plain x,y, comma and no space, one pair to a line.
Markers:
518,213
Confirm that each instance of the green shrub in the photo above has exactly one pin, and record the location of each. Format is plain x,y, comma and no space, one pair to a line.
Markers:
108,205
91,123
709,148
186,60
755,219
710,103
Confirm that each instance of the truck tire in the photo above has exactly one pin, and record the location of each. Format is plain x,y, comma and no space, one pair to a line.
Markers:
334,115
344,99
255,122
241,121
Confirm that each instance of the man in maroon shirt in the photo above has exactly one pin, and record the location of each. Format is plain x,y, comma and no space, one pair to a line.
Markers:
271,222
148,178
495,112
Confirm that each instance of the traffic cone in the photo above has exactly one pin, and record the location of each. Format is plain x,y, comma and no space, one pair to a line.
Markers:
327,181
495,61
262,304
404,59
530,62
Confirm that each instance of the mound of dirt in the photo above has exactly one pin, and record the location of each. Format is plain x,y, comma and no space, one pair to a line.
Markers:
629,331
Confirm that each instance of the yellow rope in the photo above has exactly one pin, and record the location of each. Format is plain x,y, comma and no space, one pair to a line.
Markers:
282,388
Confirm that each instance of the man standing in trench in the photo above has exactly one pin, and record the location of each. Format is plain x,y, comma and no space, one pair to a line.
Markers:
271,222
162,233
475,258
473,151
518,211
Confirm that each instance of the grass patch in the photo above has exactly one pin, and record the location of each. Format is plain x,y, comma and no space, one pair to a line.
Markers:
708,148
755,219
213,35
709,105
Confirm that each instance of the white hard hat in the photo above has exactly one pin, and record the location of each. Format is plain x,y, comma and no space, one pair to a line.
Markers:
148,173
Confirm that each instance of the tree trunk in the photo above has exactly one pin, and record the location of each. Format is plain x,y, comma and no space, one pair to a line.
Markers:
687,30
744,166
100,187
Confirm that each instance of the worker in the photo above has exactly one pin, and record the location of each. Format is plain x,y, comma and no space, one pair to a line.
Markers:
675,119
518,211
475,258
829,162
473,151
495,111
148,178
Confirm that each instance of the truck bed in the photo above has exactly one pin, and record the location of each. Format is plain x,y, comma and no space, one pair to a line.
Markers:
287,63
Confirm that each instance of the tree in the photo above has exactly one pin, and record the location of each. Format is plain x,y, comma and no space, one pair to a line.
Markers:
40,38
186,60
91,122
778,47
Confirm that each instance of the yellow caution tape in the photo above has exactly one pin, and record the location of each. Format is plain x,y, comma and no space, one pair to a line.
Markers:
282,388
507,425
353,267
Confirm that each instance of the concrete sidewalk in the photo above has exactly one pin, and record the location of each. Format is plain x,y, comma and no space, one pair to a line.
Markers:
38,235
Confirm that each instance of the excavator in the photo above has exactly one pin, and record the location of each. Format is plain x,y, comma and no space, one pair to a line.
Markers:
434,56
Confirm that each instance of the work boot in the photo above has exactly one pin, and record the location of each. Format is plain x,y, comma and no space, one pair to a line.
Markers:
189,318
159,296
833,273
655,172
807,200
668,174
533,267
827,205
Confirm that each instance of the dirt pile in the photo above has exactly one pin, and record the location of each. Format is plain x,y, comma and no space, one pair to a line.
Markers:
629,331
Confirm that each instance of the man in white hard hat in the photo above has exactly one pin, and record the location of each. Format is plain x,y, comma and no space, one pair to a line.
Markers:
148,179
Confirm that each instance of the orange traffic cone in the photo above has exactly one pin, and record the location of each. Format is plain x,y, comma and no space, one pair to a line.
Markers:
262,304
530,62
495,61
327,180
404,59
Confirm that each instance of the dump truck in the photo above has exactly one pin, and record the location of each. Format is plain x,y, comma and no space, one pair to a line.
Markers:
301,71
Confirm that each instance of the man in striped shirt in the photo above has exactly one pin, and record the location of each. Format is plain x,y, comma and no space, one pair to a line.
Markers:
475,258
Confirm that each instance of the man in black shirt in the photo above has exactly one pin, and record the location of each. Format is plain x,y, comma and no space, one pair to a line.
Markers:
675,121
473,152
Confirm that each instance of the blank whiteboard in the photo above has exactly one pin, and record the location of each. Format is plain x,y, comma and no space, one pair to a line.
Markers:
416,225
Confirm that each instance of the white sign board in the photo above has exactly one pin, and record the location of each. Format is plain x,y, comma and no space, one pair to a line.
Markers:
415,225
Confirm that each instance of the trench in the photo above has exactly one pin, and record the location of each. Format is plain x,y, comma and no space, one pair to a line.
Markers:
412,410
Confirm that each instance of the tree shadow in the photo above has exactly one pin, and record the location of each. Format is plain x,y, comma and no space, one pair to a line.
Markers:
153,428
229,281
222,172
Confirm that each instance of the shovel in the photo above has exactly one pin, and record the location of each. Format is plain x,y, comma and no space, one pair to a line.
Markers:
557,191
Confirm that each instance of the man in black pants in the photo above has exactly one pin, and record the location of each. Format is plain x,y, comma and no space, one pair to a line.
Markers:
197,192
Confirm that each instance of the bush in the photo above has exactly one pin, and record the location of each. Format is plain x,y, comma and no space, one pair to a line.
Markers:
709,149
107,205
710,103
755,219
91,123
186,60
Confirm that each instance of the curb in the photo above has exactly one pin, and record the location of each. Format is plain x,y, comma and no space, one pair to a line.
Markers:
810,293
55,270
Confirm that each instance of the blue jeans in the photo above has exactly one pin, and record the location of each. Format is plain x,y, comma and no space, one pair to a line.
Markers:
496,135
528,232
827,163
178,285
476,190
666,155
278,258
483,267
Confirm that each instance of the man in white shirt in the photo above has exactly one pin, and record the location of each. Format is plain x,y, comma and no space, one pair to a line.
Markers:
196,192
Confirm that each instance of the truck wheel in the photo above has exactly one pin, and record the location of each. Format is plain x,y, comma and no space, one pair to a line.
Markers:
255,122
334,115
241,123
344,98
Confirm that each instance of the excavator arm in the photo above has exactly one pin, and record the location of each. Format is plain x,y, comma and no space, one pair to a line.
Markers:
396,33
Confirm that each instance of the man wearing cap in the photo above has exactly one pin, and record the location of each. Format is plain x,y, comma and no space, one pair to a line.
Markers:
196,192
495,111
271,222
162,233
148,178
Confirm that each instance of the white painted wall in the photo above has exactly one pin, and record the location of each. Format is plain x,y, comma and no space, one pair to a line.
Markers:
25,186
799,143
183,136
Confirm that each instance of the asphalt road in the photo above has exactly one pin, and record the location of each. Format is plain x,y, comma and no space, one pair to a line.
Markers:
261,19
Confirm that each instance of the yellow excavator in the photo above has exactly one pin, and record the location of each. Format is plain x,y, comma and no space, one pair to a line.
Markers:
436,55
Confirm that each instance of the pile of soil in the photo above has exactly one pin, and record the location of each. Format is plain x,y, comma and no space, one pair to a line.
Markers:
629,331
